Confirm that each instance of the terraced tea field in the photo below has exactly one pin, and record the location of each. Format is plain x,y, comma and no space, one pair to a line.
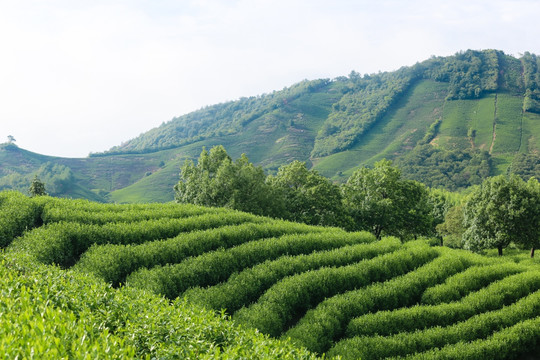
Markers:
304,287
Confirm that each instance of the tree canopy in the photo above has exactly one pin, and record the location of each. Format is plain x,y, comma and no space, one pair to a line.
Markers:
502,211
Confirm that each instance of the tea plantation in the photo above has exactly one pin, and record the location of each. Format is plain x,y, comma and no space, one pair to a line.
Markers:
158,281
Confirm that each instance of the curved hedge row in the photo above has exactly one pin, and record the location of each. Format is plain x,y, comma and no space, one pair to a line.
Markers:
114,263
216,266
245,287
48,313
63,243
474,278
17,214
495,296
288,299
504,344
54,211
477,327
327,323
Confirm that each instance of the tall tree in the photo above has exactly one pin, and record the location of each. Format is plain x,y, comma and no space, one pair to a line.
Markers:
499,212
309,197
216,180
380,201
37,187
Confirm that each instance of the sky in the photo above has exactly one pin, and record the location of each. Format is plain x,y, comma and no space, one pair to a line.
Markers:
81,76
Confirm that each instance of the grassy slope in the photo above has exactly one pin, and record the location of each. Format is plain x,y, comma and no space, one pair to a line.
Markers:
399,130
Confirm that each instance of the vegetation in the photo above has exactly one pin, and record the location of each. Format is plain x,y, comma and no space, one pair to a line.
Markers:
315,285
448,121
501,211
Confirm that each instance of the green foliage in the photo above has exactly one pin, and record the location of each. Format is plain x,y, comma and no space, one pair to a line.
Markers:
472,279
326,323
504,344
52,314
383,203
217,181
292,280
495,296
470,73
37,187
308,197
290,298
357,111
63,243
477,327
450,169
17,214
452,228
526,166
247,286
216,266
501,211
114,263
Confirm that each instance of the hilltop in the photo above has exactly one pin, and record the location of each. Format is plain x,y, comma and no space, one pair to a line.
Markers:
447,121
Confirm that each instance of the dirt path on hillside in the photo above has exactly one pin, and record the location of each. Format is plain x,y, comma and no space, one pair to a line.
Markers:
494,126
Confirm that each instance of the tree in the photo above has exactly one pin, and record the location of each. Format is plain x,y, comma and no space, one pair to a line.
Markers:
381,202
452,228
309,197
37,188
531,239
499,212
218,181
11,139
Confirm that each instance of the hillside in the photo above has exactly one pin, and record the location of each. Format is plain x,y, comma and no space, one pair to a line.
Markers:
327,290
446,121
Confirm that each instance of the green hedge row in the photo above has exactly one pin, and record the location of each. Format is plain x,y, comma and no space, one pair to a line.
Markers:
291,297
54,211
216,266
18,213
247,286
502,345
474,278
114,263
48,313
495,296
63,243
477,327
327,323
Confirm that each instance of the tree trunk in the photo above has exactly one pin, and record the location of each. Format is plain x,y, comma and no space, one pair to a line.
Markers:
500,250
532,252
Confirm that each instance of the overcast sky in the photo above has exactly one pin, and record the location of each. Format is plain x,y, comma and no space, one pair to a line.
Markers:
80,76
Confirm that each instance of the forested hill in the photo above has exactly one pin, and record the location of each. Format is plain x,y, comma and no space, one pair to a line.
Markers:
357,102
447,121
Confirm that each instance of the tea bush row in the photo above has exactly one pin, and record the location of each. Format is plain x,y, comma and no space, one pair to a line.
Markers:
327,323
505,344
477,327
48,313
247,286
474,278
63,243
216,266
291,297
114,263
17,214
495,296
54,211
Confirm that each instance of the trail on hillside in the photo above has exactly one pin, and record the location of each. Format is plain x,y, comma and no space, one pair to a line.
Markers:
494,126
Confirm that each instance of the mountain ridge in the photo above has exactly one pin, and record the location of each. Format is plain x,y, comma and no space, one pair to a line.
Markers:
448,121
